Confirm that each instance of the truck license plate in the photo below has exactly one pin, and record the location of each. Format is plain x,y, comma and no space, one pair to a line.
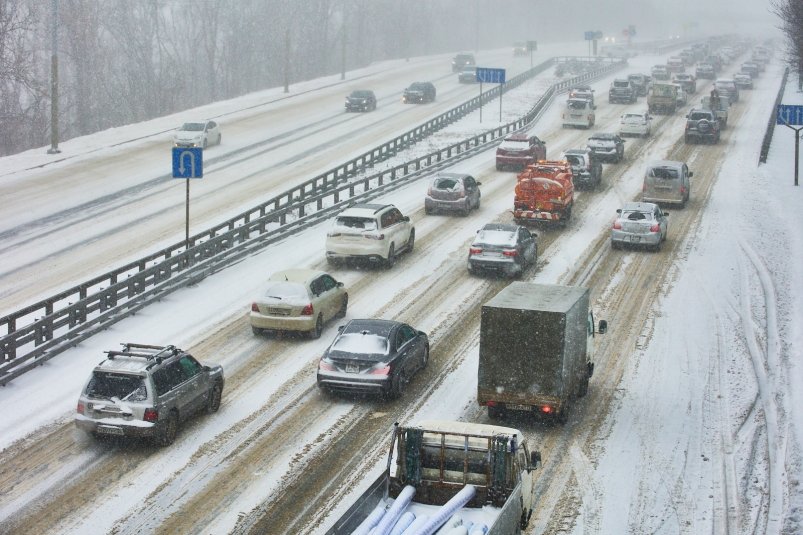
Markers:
352,368
515,407
109,430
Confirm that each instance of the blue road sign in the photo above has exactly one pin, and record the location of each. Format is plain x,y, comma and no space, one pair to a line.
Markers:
490,76
589,36
188,162
789,114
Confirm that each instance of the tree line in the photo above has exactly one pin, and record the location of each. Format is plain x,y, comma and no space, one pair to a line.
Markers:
124,61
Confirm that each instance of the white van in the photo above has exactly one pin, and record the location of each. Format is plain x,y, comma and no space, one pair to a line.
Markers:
578,112
667,182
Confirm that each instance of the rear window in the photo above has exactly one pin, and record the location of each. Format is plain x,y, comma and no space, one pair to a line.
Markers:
286,291
515,145
496,237
123,386
577,104
664,172
696,116
447,184
621,83
636,215
355,223
363,344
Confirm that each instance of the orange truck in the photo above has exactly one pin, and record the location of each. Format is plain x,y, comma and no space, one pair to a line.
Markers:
544,192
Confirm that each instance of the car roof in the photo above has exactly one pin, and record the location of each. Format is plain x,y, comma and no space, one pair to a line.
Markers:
117,361
296,275
602,135
501,227
455,176
639,206
374,326
664,163
518,136
363,210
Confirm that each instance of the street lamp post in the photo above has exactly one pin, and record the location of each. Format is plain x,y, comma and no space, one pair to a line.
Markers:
54,83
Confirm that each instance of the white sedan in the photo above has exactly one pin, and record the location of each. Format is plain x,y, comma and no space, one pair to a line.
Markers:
635,124
197,135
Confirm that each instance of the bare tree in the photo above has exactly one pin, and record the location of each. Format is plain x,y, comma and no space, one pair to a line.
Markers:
791,14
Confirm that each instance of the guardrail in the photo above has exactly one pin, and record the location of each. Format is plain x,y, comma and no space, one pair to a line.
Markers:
767,141
69,317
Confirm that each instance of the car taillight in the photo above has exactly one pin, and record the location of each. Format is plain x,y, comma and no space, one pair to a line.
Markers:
151,415
80,407
655,228
546,409
307,310
326,366
380,369
491,403
374,236
617,225
254,307
510,252
683,189
474,250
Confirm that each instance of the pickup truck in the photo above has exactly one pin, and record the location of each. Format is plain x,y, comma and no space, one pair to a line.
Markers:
719,108
446,475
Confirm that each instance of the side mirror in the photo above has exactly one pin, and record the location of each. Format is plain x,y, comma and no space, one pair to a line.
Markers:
603,327
480,183
406,218
340,284
535,459
618,210
691,174
666,213
340,328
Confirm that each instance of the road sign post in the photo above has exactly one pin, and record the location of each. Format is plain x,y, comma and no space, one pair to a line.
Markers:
188,163
791,115
491,76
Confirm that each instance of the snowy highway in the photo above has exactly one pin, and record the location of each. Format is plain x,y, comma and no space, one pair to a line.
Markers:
685,426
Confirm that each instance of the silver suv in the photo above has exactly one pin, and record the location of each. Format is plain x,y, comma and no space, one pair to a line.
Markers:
373,232
146,391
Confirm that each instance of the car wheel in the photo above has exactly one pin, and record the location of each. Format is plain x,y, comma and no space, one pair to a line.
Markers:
396,386
391,260
411,241
499,167
170,430
344,307
466,209
615,245
479,201
256,330
334,262
220,139
657,246
582,389
214,398
425,357
316,332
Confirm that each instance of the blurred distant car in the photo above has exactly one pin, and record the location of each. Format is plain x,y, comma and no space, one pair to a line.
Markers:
639,224
688,81
361,100
743,81
502,248
519,150
640,82
452,192
667,182
660,72
372,232
373,356
705,70
607,147
727,88
300,300
635,124
198,135
463,60
682,98
586,167
467,75
419,93
583,92
751,68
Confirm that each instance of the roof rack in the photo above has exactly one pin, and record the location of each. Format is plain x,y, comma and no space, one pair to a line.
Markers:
145,351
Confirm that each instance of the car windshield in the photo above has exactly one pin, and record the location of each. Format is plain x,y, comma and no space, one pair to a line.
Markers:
192,127
514,145
361,343
621,83
355,223
416,87
123,386
360,94
286,291
495,237
447,184
575,160
633,118
636,215
664,172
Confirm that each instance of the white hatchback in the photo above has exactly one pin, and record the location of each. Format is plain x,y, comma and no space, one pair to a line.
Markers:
635,124
373,232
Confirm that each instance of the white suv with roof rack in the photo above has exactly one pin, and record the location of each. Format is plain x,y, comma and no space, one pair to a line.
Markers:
147,391
373,232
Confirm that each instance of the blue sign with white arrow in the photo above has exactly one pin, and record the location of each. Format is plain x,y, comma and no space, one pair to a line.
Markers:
188,162
490,76
789,114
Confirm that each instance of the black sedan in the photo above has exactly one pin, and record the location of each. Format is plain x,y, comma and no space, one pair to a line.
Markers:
371,356
361,100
